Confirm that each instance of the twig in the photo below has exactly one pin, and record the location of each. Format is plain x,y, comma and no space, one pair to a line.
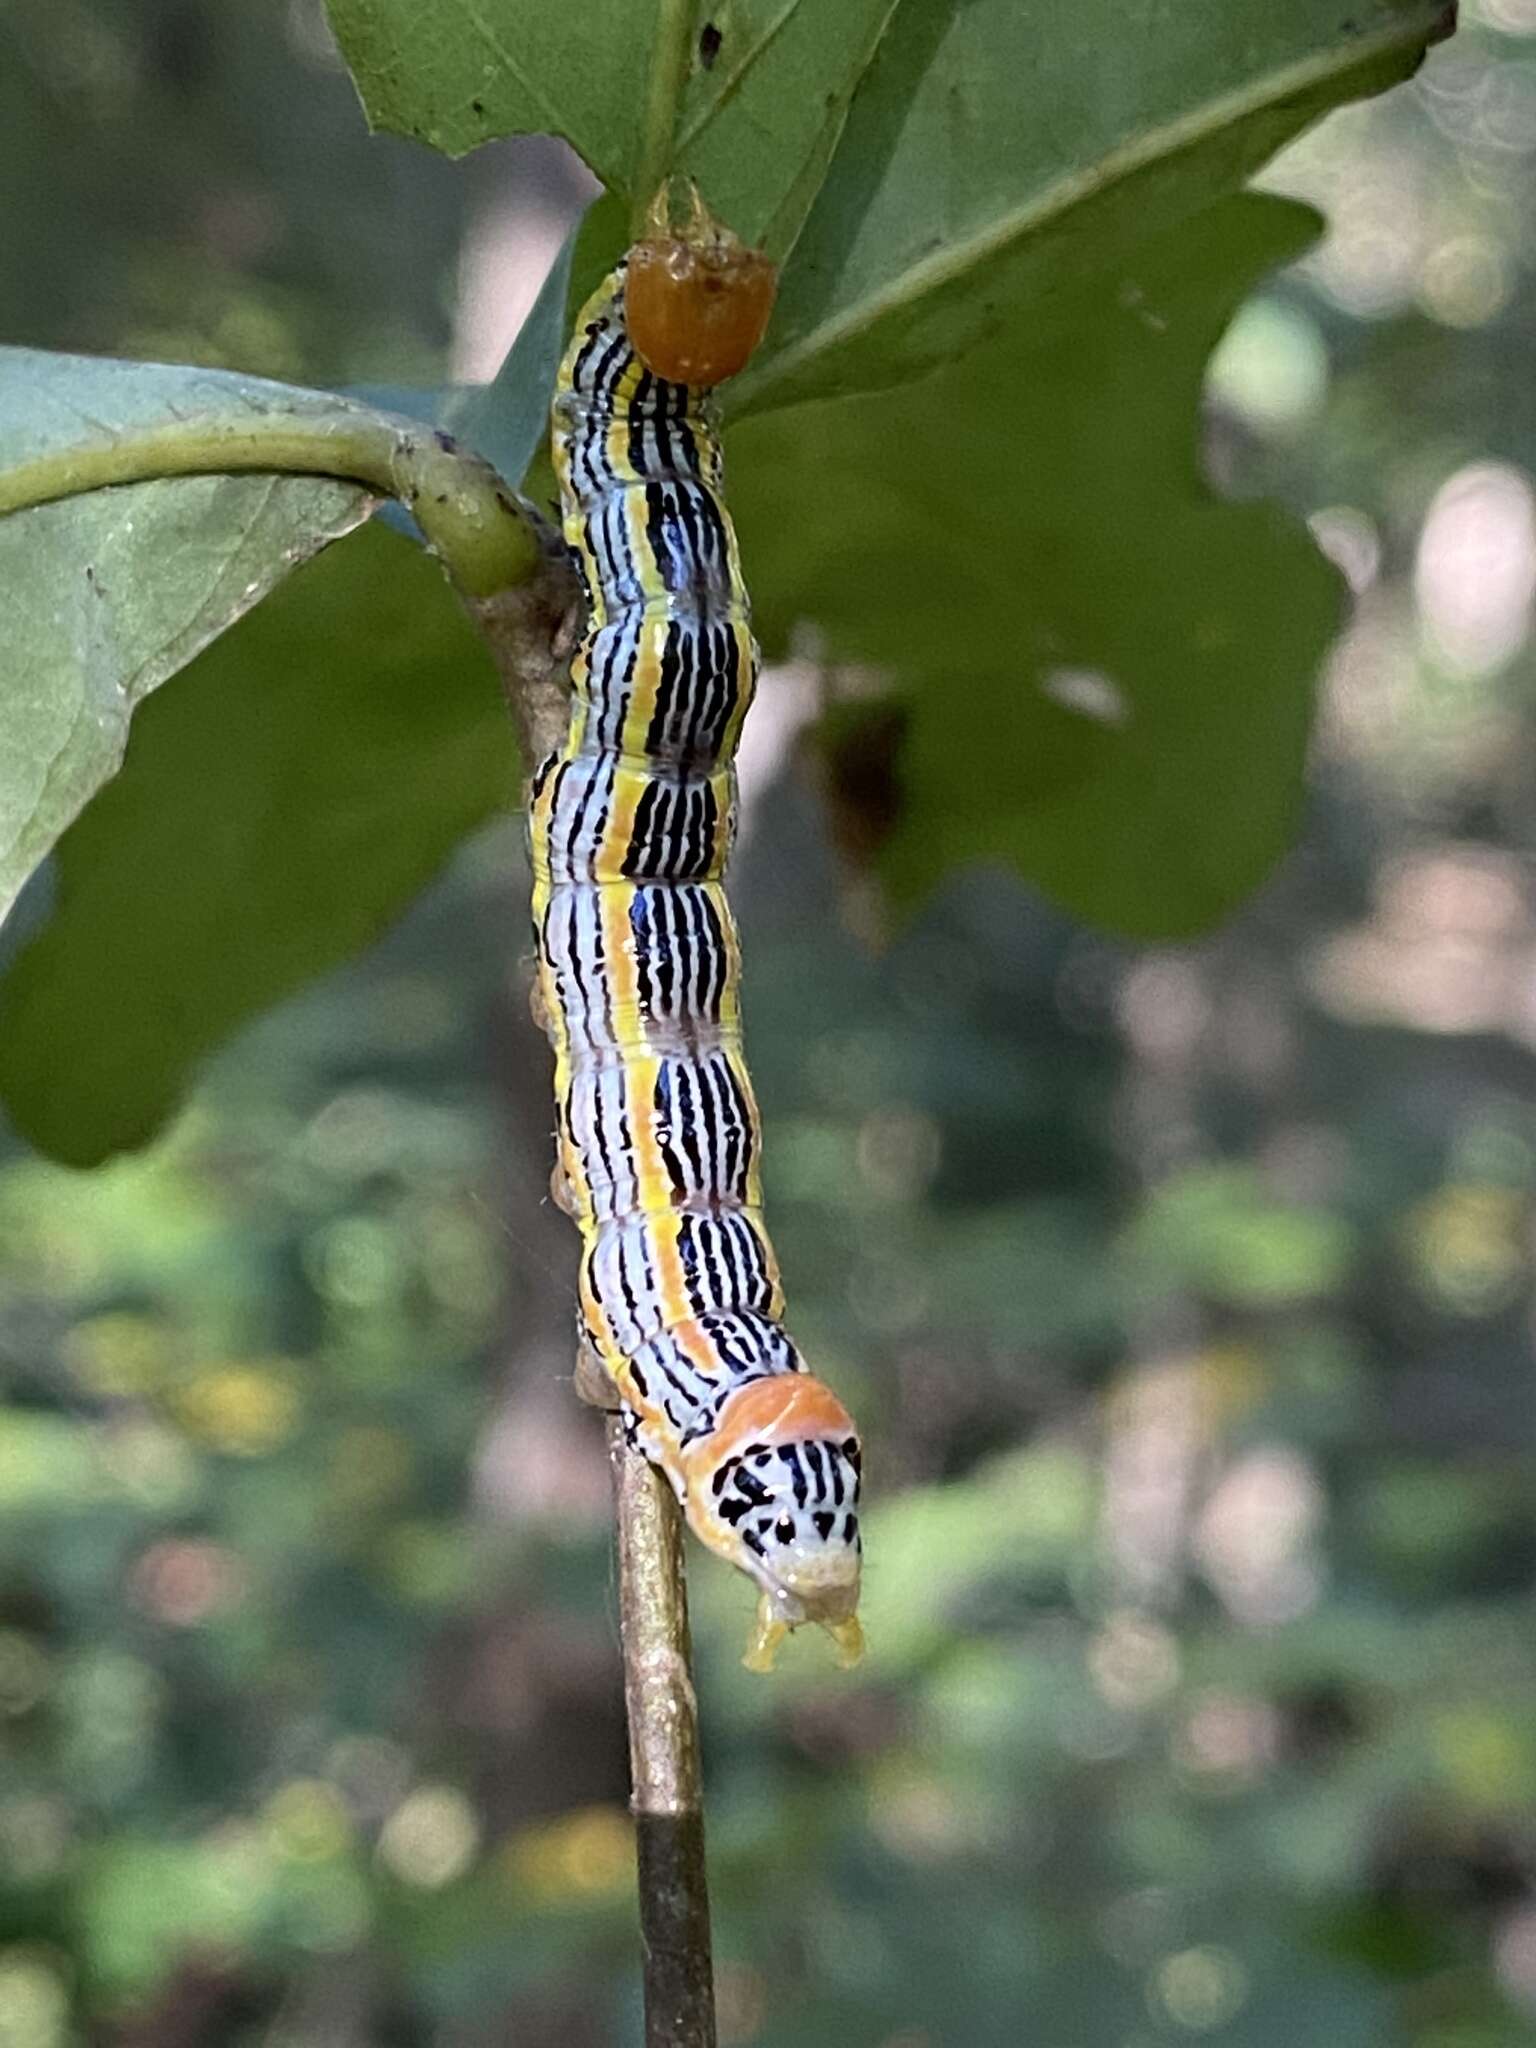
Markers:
667,1798
527,629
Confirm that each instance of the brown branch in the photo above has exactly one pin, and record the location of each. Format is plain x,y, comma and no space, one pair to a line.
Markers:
527,627
668,1798
528,631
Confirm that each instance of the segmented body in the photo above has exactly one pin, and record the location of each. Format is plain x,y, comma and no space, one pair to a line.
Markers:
658,1133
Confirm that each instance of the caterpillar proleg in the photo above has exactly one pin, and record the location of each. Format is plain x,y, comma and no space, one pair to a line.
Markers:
631,822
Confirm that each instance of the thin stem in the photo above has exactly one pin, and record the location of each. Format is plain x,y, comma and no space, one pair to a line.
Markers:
667,1798
486,541
671,52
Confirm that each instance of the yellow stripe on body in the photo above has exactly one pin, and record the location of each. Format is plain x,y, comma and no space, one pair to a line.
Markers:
746,664
645,685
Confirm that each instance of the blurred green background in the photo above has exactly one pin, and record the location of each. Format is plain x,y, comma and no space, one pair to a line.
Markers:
1185,1295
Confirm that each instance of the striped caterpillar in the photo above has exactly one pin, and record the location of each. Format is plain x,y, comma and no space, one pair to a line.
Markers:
631,822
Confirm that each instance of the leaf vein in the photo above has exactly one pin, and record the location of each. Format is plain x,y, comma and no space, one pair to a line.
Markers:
927,276
498,49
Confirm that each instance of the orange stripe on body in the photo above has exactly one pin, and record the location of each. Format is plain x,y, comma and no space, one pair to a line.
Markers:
621,969
787,1408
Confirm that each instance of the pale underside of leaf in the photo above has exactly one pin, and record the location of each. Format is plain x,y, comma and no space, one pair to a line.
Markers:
144,508
53,404
103,597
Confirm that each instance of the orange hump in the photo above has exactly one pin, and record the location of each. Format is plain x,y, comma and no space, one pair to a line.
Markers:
789,1407
697,299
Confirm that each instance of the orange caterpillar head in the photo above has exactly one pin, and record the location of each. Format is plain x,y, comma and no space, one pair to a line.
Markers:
696,299
774,1489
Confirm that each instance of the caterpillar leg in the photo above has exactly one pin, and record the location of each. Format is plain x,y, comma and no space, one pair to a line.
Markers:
560,1192
768,1631
594,1383
848,1639
538,1009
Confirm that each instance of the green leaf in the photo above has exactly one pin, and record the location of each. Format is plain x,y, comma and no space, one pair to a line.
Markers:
1106,672
276,810
755,127
997,151
761,124
456,73
994,155
104,595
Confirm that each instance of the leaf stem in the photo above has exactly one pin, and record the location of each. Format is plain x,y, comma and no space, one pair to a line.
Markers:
671,52
485,539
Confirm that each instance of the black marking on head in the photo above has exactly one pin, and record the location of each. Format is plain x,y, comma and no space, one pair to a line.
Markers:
791,1456
824,1521
747,1491
784,1529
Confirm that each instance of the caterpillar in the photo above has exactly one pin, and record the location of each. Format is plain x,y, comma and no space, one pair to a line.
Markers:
630,823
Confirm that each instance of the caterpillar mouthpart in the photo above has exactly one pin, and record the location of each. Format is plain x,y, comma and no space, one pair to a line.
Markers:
776,1619
822,1591
774,1488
